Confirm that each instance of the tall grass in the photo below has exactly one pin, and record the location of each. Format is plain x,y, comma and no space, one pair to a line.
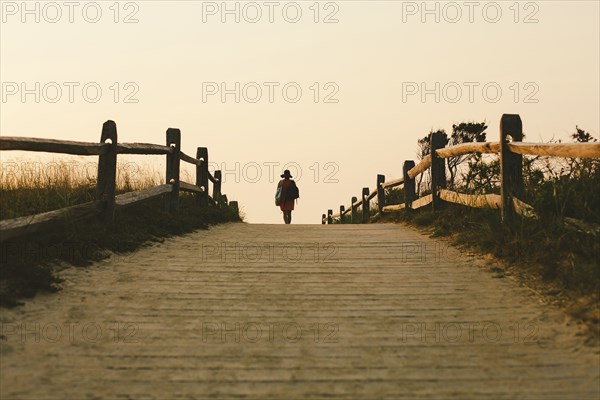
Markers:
29,187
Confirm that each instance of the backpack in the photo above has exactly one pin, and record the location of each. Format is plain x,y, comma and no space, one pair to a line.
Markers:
292,193
278,196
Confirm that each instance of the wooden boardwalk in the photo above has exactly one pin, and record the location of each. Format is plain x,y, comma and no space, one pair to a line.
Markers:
298,311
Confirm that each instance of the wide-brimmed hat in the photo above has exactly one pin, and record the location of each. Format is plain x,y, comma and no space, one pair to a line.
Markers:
286,174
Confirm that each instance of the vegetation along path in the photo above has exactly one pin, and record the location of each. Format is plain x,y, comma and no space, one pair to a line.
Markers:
298,311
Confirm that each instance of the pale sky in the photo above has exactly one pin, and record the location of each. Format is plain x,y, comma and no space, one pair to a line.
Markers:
543,56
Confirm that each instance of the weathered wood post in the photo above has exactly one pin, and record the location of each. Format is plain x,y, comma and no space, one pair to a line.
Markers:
380,193
323,219
354,210
234,207
224,201
409,184
172,174
202,175
366,206
511,164
329,217
342,209
217,186
107,174
438,168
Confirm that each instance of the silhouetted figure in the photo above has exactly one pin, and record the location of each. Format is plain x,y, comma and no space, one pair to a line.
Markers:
288,192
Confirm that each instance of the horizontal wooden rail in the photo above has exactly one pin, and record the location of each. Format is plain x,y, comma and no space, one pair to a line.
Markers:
467,148
52,146
143,148
420,167
422,201
372,195
396,207
126,199
189,159
11,228
472,200
191,187
574,150
391,184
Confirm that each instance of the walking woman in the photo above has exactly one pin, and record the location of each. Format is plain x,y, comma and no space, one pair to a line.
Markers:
289,193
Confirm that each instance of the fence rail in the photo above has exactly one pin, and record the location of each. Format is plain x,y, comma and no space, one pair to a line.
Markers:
510,149
106,199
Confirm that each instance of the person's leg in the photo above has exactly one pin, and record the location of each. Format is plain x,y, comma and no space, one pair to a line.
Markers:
290,217
284,216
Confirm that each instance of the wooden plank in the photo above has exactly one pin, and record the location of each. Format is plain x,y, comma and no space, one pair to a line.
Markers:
420,167
126,199
143,148
52,146
347,209
394,183
395,207
12,228
188,159
372,195
211,178
466,148
422,201
581,150
470,200
188,187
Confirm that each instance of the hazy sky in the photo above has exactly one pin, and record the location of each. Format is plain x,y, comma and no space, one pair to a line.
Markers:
368,62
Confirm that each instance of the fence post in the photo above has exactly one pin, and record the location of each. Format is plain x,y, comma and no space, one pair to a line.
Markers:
438,168
202,175
511,164
380,193
366,206
342,209
217,186
107,174
234,206
224,201
323,217
409,184
329,218
172,174
354,211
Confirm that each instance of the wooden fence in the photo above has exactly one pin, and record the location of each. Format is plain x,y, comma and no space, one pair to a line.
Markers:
106,200
510,148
